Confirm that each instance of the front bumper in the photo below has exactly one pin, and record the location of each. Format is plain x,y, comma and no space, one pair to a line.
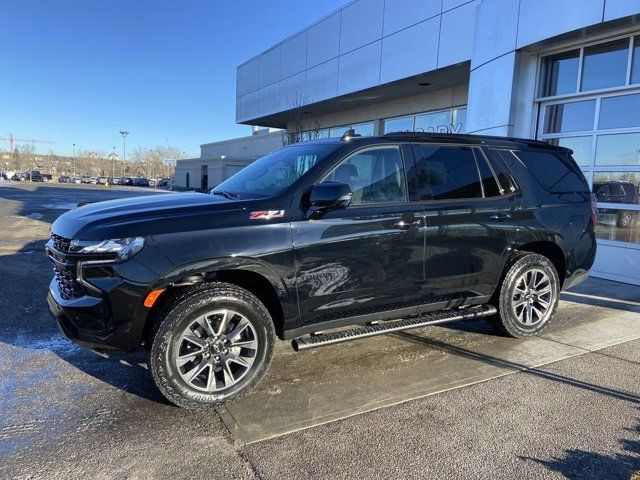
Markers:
109,313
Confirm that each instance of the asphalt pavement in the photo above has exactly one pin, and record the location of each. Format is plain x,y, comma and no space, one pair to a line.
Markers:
70,413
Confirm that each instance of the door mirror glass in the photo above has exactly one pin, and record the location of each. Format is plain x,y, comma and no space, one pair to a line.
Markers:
330,196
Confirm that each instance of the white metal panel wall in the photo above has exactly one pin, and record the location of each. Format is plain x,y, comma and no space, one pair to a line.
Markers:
322,81
361,24
494,42
323,40
291,91
359,69
270,67
399,14
456,34
540,19
410,51
293,55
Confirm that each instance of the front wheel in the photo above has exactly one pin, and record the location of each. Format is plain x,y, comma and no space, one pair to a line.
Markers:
213,344
528,296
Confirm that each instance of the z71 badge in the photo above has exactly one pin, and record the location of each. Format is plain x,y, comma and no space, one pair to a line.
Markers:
266,214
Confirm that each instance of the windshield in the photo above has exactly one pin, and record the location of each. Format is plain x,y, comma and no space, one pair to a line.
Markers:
274,173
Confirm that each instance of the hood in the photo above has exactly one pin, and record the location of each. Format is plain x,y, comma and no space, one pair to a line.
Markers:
139,216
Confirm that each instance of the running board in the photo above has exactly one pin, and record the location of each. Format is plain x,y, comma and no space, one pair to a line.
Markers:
320,340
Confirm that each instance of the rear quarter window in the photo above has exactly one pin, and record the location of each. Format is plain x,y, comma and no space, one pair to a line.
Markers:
555,172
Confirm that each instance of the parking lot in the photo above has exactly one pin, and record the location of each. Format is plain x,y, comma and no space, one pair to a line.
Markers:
439,402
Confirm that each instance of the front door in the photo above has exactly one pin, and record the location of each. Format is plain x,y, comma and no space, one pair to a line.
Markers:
368,258
471,221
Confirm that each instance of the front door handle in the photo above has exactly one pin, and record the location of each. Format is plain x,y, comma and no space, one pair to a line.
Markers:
500,216
404,224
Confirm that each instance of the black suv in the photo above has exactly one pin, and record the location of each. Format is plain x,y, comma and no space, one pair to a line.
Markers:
388,233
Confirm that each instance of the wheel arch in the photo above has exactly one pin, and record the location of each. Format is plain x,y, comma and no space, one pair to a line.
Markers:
551,250
257,277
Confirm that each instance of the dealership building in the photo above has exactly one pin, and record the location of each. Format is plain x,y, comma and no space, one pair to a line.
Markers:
563,71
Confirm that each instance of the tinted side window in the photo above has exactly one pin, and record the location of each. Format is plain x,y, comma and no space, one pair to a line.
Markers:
447,172
488,180
375,175
553,171
498,161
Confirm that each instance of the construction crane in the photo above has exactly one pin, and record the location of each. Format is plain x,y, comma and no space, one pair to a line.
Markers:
32,141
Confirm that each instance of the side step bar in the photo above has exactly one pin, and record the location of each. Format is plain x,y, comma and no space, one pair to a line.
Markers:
323,339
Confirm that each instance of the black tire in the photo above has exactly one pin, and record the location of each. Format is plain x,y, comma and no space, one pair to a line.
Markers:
183,311
624,219
506,321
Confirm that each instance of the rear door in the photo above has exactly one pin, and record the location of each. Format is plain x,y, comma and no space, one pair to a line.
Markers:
471,221
368,258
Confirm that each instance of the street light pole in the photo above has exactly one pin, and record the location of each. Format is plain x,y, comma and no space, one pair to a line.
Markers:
74,162
113,164
124,134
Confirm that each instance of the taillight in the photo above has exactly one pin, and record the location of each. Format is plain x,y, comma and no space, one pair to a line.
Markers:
594,210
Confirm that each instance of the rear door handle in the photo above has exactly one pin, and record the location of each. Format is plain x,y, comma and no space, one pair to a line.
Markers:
403,224
500,216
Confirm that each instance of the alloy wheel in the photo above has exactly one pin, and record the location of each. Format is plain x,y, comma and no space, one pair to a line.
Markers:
532,297
216,350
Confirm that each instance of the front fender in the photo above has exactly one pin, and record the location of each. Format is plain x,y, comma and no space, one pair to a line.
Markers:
284,286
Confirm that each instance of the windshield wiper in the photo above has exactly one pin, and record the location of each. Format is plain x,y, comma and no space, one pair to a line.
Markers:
225,194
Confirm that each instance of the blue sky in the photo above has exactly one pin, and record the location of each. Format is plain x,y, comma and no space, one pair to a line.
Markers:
80,71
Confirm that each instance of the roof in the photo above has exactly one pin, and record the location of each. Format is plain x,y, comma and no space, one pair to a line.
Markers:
505,142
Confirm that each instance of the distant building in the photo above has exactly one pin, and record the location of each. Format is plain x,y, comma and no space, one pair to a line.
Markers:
219,160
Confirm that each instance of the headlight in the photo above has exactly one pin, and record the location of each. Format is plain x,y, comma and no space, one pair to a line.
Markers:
124,247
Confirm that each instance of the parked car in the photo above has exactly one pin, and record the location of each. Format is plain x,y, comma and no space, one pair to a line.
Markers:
76,180
102,180
618,192
85,179
65,179
47,177
139,182
30,175
165,183
6,175
403,230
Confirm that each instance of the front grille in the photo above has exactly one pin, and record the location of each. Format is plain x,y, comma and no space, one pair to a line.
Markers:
68,286
63,245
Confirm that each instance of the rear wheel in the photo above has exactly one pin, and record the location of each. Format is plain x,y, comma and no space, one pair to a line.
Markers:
213,344
528,296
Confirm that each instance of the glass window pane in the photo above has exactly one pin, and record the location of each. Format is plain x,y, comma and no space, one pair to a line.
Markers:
364,129
459,122
581,147
617,187
488,180
402,124
559,73
447,173
375,176
619,225
635,63
620,149
605,65
569,117
554,171
620,112
438,122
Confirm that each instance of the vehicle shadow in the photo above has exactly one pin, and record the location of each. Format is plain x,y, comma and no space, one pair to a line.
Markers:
582,464
502,363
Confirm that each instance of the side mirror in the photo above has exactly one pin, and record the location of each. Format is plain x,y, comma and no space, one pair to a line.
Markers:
329,196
